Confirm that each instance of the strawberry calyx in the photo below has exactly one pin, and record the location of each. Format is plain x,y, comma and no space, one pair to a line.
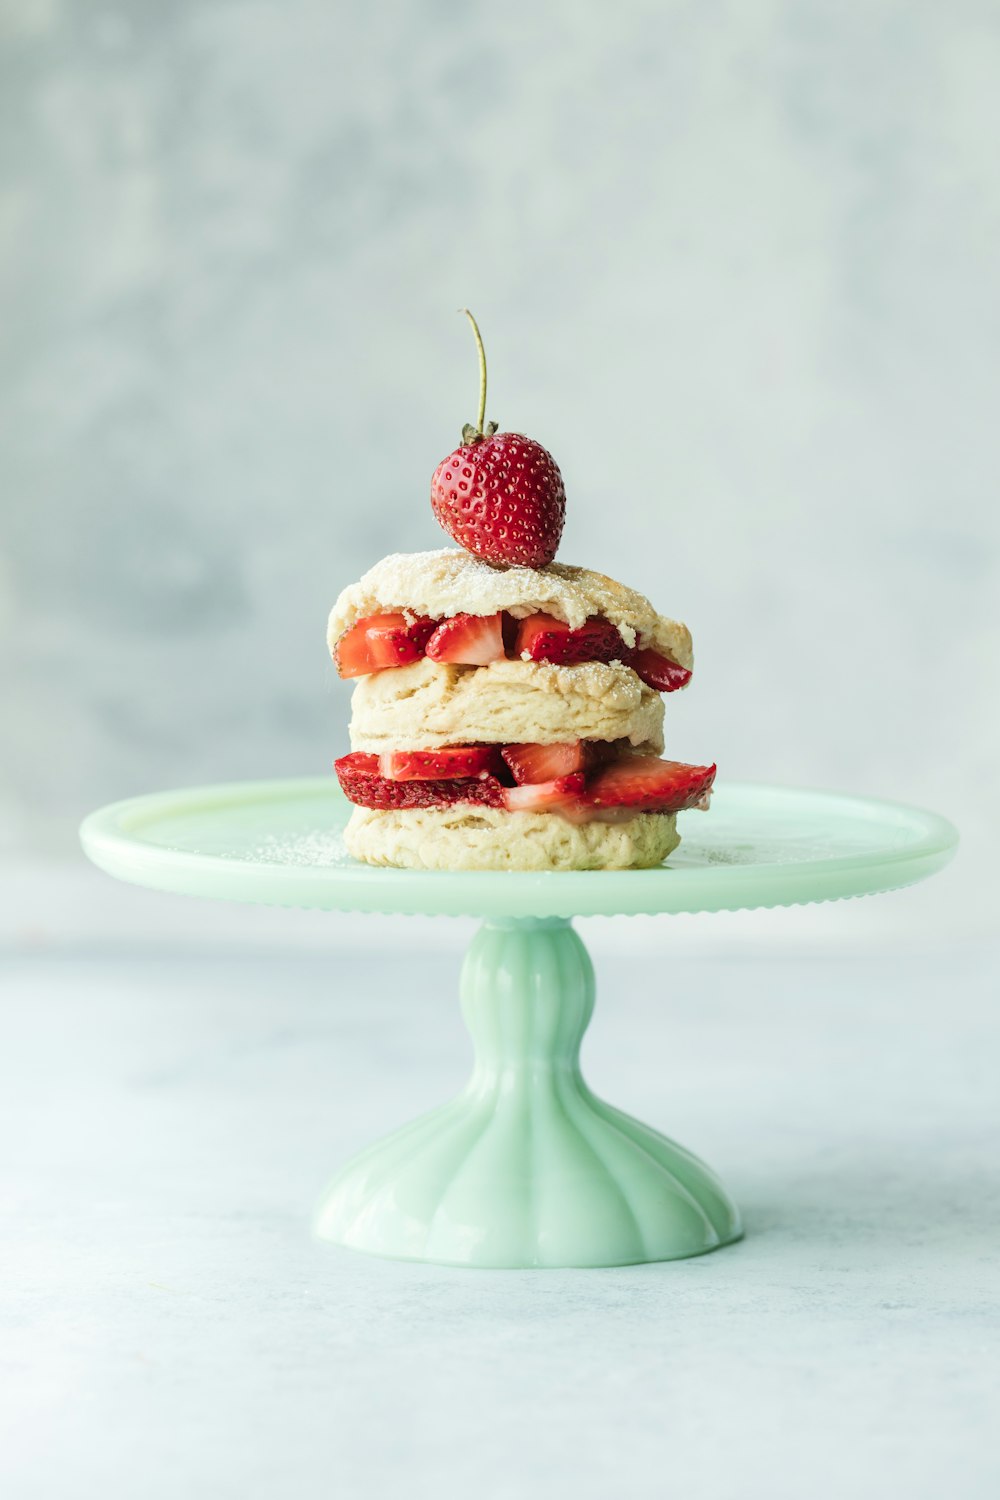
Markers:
471,435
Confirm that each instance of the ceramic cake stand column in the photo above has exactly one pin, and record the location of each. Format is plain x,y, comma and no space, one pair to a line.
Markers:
527,1167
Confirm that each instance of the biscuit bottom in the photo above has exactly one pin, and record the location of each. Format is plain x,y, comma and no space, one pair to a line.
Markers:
467,837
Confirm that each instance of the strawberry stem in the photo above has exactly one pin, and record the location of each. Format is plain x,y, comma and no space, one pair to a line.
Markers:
482,373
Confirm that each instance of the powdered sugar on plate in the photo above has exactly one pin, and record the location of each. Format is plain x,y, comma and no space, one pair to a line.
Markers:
320,847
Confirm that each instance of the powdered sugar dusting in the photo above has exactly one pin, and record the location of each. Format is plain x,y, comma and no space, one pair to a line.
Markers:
319,847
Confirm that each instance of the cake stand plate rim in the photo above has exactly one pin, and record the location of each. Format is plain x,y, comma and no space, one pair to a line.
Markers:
907,844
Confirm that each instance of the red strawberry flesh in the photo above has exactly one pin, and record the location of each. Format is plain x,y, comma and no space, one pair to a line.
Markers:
502,498
363,784
609,792
381,641
544,638
456,762
472,640
657,671
533,763
562,794
649,785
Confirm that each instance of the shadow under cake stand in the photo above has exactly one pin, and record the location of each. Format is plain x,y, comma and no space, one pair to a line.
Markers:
526,1167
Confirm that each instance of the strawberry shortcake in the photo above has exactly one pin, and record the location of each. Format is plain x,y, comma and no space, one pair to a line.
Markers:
508,709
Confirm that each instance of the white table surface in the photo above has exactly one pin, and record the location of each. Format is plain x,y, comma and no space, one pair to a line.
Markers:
175,1091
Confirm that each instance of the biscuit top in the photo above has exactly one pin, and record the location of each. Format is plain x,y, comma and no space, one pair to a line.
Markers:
453,582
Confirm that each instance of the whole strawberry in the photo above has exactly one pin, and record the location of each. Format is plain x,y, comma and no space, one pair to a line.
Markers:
500,495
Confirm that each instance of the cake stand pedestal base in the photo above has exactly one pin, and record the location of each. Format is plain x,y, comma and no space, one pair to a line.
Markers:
526,1167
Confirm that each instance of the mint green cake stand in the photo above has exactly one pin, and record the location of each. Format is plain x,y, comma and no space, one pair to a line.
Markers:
526,1167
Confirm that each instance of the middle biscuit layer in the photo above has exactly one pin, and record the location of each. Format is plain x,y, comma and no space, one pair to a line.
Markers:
430,704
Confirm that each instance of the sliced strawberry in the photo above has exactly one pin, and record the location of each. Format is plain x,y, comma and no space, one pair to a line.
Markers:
455,762
562,794
544,638
657,671
472,640
532,763
381,641
362,782
649,785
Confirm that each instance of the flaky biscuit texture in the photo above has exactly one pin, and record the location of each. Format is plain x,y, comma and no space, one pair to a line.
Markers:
430,704
465,837
452,581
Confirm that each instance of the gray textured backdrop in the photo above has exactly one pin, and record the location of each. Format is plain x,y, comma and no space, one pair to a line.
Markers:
736,265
